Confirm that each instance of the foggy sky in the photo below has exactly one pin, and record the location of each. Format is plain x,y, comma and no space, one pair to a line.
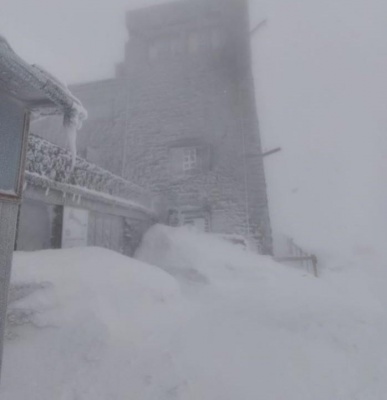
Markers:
321,77
321,73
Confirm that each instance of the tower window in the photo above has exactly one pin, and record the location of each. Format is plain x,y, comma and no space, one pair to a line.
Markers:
184,161
190,159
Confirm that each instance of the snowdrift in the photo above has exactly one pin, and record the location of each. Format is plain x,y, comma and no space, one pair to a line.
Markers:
193,317
78,322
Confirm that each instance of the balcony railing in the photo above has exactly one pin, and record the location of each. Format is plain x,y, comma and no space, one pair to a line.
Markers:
53,163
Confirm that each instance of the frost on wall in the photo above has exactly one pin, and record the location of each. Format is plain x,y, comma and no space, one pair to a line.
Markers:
54,163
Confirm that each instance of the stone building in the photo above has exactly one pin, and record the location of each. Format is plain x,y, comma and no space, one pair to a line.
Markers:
180,117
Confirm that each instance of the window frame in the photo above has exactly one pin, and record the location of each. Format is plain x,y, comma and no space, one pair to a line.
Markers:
190,158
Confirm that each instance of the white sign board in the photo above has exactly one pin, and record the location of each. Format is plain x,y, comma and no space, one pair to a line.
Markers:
75,225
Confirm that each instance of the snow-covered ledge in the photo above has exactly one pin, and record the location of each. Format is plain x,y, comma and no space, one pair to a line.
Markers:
50,167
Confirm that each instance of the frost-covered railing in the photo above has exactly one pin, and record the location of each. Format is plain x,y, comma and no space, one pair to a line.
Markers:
299,256
47,162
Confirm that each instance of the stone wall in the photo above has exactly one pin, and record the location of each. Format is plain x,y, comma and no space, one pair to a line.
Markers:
185,82
188,72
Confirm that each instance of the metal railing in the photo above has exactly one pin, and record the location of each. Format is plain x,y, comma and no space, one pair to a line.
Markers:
54,163
300,257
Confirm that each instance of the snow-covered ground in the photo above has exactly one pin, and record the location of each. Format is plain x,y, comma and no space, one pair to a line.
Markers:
192,318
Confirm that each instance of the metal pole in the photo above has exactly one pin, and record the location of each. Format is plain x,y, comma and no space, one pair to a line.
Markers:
270,152
258,26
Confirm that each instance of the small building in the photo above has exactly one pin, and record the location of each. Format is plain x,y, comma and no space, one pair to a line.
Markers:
25,91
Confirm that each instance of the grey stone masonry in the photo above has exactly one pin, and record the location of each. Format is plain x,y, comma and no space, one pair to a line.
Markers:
180,117
189,81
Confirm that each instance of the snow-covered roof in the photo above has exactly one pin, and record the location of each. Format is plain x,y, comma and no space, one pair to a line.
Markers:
38,90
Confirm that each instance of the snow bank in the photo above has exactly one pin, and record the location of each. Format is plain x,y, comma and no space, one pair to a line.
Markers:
273,332
186,254
208,321
80,323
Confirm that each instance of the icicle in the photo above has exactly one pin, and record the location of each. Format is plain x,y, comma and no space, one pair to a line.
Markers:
25,184
71,131
47,191
64,195
72,122
74,196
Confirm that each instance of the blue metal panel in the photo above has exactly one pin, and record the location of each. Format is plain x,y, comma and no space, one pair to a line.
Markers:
12,120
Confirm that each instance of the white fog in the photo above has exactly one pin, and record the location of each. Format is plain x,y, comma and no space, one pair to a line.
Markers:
174,258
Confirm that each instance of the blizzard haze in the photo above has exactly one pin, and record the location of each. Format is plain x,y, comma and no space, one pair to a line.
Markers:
105,301
203,320
321,77
322,95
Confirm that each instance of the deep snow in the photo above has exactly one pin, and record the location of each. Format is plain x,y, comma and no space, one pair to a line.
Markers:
208,321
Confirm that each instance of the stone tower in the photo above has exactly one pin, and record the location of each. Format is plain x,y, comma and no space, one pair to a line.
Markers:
180,117
192,129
